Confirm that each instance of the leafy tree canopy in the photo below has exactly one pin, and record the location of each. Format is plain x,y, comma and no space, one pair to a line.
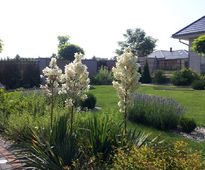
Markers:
63,40
140,44
66,50
199,45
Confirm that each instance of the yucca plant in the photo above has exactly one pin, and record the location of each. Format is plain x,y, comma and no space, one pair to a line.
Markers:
104,136
44,150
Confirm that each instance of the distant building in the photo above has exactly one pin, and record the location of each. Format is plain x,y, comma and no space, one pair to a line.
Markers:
167,60
189,33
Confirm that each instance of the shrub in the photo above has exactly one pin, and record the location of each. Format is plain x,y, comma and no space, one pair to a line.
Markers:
89,102
103,77
161,113
159,77
187,124
174,156
184,77
198,84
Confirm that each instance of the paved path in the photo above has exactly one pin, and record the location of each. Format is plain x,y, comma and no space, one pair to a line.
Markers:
7,159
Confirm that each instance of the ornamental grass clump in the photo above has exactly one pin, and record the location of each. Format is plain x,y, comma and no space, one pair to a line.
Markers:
75,84
52,76
126,80
158,112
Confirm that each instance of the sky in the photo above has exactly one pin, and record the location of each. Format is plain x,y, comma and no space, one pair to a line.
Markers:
30,27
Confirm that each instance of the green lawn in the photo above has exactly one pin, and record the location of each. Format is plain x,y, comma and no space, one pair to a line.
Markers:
192,100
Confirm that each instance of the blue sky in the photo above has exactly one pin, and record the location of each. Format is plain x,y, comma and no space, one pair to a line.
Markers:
30,27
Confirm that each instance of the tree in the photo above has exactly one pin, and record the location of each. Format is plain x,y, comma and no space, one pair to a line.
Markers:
1,46
146,78
199,45
140,44
68,51
126,80
63,40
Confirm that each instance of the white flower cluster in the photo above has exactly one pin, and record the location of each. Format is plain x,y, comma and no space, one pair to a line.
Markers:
52,75
75,81
126,78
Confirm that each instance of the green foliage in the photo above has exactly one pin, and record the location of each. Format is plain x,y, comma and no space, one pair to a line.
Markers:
187,125
158,112
67,51
159,77
39,150
140,44
184,77
104,136
176,156
198,45
146,78
103,77
198,84
63,40
89,102
1,46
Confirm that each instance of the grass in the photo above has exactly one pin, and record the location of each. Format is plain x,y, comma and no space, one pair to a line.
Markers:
192,100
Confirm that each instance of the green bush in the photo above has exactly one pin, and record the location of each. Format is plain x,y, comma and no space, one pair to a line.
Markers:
174,157
187,125
158,112
89,102
103,77
159,77
184,77
198,84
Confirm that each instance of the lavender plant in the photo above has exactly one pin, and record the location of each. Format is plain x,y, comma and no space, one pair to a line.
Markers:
159,112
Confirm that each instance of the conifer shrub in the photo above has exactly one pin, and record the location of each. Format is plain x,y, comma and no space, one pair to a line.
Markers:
146,77
187,125
89,102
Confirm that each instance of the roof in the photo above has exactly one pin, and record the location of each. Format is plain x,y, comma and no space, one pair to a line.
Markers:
167,55
192,30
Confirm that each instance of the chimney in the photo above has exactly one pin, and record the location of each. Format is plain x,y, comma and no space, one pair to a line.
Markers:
170,49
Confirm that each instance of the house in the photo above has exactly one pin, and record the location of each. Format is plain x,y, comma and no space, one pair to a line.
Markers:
189,33
167,60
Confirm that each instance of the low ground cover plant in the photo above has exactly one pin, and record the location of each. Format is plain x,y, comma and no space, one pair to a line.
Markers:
169,156
158,112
